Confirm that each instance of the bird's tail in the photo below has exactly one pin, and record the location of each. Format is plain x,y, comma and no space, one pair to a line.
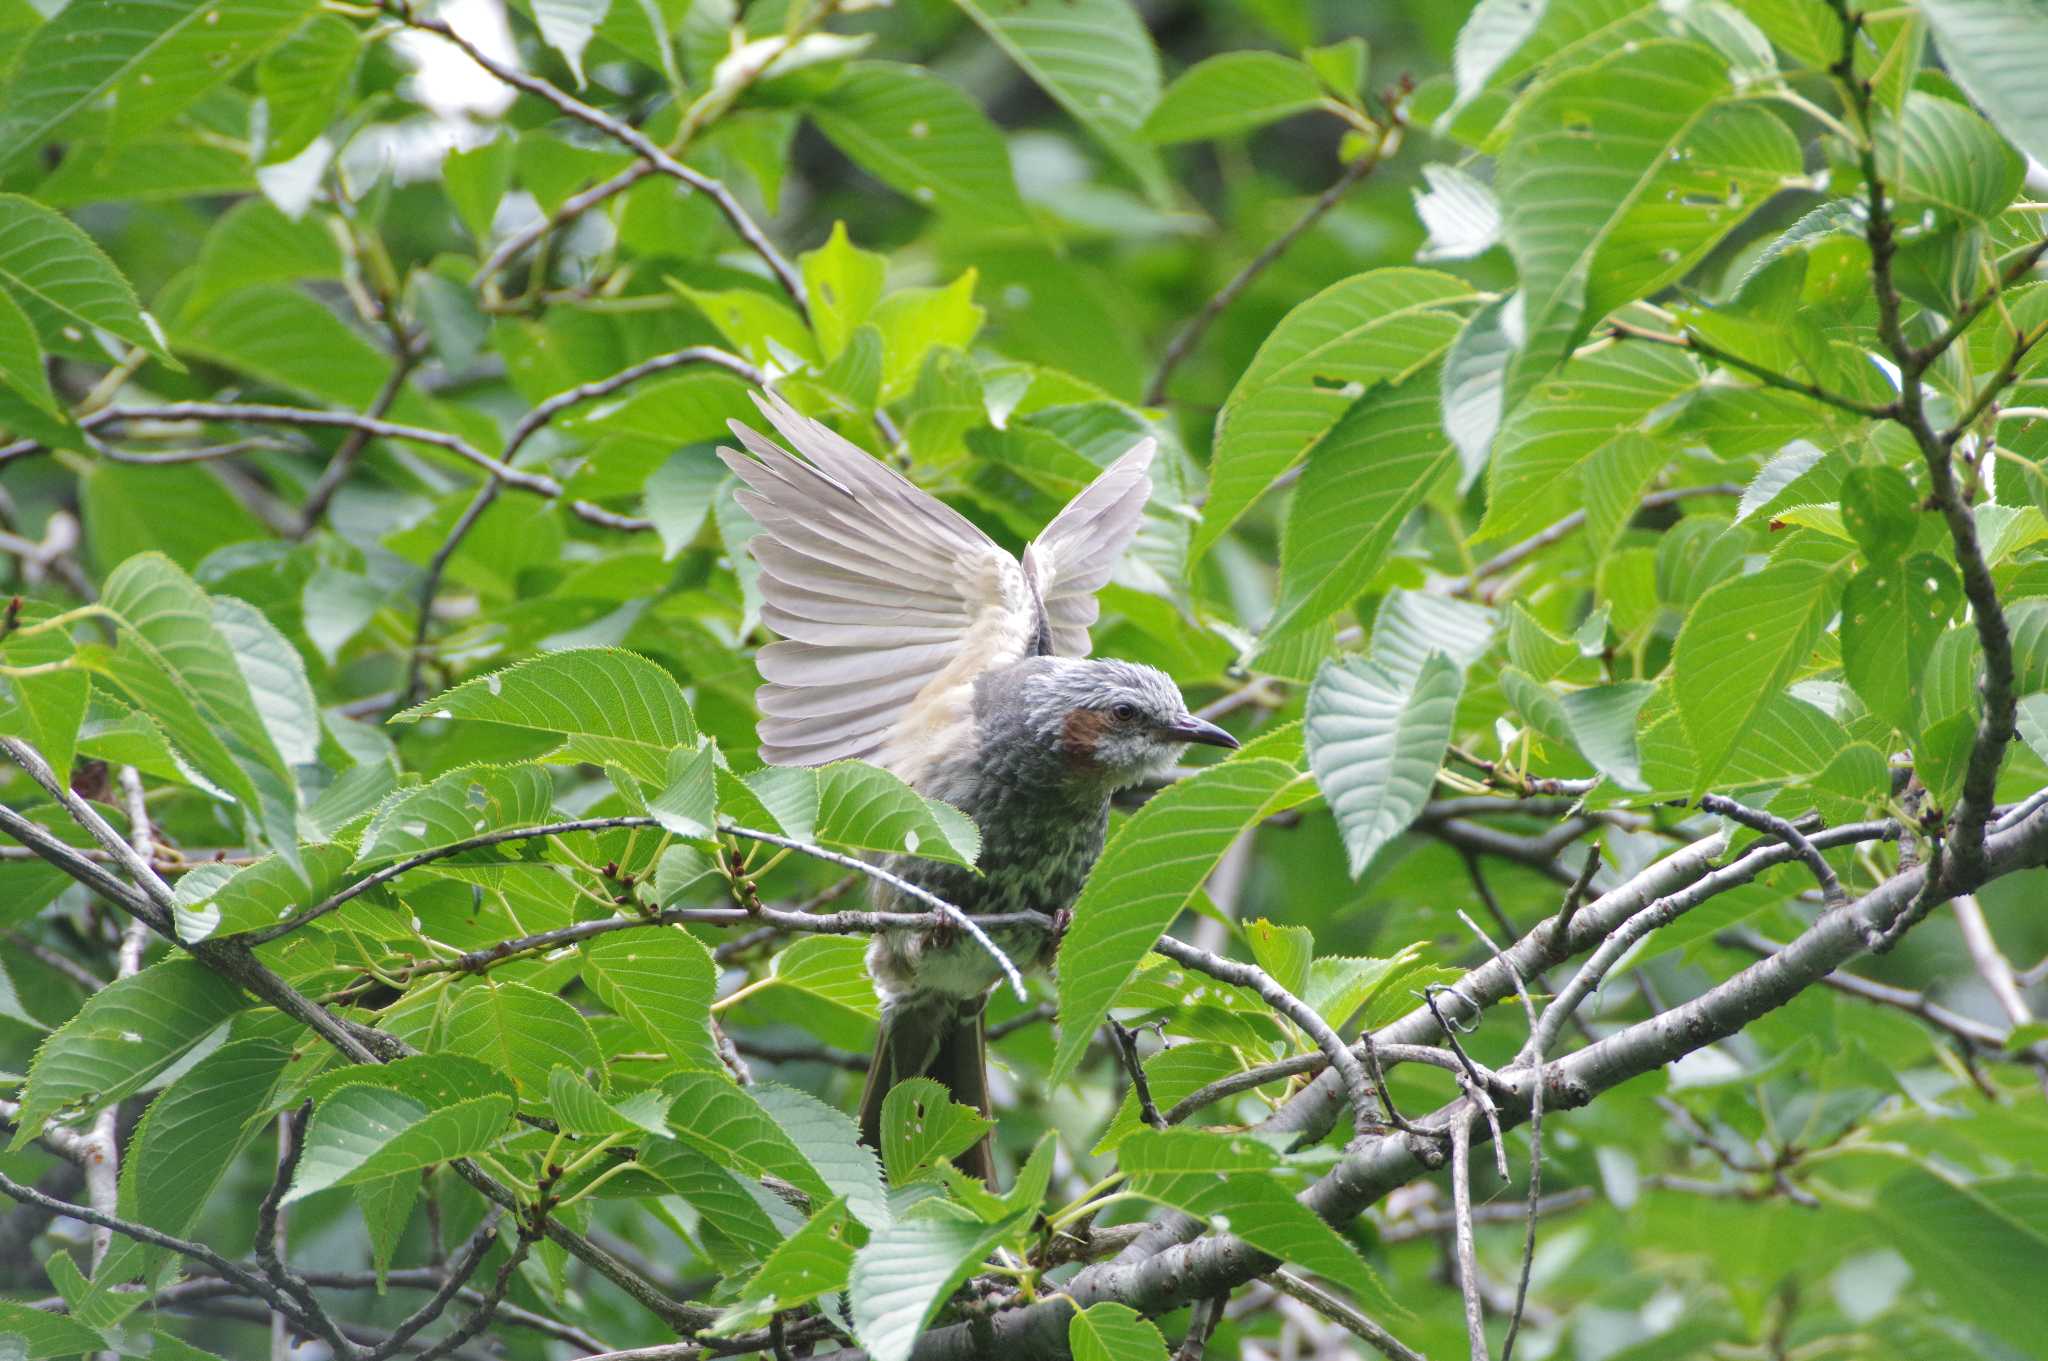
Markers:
941,1038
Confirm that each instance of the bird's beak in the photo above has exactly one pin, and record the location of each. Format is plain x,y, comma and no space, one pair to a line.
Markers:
1188,728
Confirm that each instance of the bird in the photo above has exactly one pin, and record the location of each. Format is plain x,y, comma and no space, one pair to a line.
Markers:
909,639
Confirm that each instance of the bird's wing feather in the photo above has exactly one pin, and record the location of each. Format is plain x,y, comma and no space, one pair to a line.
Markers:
1073,558
891,602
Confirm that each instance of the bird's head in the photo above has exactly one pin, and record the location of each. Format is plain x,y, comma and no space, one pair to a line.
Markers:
1116,723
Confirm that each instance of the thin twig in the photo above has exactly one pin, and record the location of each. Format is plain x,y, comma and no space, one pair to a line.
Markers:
1561,925
269,1245
1191,334
1301,1014
1344,1314
1985,1041
467,1259
54,961
250,1282
730,207
1423,1226
1515,555
1390,1056
1127,1050
257,413
1468,1256
1992,965
843,923
1534,1057
1202,1321
1770,824
1769,377
591,391
430,584
410,350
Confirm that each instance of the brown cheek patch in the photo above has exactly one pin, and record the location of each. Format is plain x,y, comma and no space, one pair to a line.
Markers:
1081,734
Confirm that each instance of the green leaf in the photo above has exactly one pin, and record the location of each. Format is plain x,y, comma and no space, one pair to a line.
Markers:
752,321
190,1138
219,900
1172,1074
2033,723
522,1031
1363,479
1375,743
1998,49
127,1036
567,26
365,1132
284,337
254,243
1461,214
154,56
64,282
914,322
10,1003
52,704
21,358
920,136
1720,170
1552,454
1285,952
730,1214
829,1140
476,181
611,708
1583,151
1892,613
1741,645
1602,719
680,494
1114,1332
1232,93
1380,326
662,980
1152,867
1880,511
1095,58
1534,648
843,284
1474,382
907,1270
578,1109
302,79
731,1127
833,968
1969,1247
44,1334
813,1261
922,1127
464,803
853,806
688,804
1939,154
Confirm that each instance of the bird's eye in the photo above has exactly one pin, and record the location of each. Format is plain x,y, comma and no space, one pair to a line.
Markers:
1123,713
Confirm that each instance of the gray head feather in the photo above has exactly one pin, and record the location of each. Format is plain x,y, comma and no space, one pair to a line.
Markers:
1091,723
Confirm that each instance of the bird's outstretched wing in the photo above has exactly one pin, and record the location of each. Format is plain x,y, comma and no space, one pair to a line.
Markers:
1074,557
890,603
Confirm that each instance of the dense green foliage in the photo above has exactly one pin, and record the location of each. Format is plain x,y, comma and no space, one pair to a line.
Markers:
1602,483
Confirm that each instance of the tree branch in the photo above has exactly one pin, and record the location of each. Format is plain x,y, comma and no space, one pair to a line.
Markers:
1190,335
260,414
735,214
